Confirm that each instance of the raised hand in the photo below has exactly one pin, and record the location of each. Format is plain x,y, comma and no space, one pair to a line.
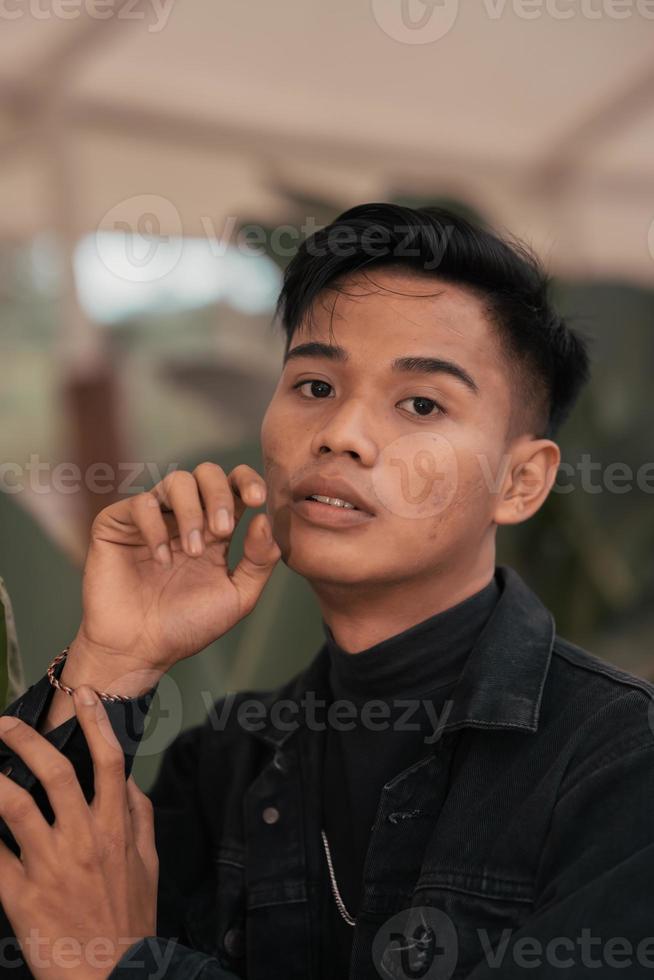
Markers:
157,586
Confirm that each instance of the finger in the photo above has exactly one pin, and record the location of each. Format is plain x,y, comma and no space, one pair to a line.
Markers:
248,487
142,816
59,780
217,498
179,492
226,498
137,521
13,876
110,800
260,555
25,821
147,516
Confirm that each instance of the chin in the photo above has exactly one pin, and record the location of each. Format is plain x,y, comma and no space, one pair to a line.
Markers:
334,562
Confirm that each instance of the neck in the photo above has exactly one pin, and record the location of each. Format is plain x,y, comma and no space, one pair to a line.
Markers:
360,618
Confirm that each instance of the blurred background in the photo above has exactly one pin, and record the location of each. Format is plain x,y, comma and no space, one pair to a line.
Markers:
160,160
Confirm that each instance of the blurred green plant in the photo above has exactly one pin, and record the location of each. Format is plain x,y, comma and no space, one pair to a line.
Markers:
12,681
4,671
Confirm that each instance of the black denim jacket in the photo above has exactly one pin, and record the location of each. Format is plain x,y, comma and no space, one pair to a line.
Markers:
520,845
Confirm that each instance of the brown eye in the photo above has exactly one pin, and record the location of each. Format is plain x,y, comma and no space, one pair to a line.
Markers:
317,388
424,406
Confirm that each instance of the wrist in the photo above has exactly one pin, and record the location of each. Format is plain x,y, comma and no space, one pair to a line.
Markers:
107,670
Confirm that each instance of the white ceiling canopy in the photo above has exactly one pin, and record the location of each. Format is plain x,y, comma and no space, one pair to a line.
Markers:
539,115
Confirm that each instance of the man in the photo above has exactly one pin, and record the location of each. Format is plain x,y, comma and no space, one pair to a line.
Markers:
449,788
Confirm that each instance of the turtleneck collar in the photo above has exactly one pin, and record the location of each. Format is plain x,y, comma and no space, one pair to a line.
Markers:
428,655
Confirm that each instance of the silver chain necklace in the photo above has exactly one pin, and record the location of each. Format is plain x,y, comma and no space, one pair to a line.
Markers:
340,904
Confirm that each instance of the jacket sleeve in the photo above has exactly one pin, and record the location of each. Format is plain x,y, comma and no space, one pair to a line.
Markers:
127,719
593,910
179,832
176,827
155,957
183,844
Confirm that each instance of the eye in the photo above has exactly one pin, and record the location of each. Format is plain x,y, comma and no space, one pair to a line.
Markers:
424,406
317,388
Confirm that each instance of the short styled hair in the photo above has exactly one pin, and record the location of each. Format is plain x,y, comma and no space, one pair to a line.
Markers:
548,361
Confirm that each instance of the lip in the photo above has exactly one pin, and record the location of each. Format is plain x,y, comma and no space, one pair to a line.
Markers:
326,515
332,487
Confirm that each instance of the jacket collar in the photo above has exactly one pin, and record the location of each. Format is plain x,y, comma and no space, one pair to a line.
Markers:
502,682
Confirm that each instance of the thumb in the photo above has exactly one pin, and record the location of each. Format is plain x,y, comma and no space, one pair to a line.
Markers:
142,813
260,555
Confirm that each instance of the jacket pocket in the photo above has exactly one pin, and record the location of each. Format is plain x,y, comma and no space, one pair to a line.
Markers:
482,914
215,915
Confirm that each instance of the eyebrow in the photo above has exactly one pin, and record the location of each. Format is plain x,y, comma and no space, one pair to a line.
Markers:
415,365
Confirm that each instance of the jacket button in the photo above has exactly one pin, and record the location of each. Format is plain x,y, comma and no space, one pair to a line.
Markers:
279,762
234,942
270,814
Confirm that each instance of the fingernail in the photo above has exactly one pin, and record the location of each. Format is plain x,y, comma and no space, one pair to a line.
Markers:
86,695
224,520
195,542
7,722
164,557
257,492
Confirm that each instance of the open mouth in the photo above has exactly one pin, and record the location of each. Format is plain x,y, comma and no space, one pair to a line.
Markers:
330,512
332,501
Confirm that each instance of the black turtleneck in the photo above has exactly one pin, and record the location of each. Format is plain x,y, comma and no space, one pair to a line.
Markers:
423,663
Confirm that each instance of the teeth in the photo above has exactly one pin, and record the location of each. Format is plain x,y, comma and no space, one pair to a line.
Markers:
334,501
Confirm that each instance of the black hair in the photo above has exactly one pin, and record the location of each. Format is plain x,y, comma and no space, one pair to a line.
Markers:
544,354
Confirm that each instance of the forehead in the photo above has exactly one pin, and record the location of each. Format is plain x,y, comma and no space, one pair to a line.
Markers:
386,313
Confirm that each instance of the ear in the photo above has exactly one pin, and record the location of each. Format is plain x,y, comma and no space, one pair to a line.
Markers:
529,479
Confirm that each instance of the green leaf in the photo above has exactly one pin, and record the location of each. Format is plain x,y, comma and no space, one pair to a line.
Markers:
4,666
12,680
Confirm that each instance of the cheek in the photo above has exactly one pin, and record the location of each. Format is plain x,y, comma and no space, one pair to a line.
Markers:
447,522
416,476
279,426
274,448
469,509
275,434
268,424
283,450
431,484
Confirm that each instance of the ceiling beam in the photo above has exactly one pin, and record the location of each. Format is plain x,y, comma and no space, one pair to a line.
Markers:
603,120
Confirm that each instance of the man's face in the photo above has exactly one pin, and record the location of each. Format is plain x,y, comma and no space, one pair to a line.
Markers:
425,475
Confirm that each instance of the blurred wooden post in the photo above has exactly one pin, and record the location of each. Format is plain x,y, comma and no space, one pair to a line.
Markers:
88,381
91,401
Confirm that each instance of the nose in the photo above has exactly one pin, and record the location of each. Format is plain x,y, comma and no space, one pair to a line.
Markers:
346,430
